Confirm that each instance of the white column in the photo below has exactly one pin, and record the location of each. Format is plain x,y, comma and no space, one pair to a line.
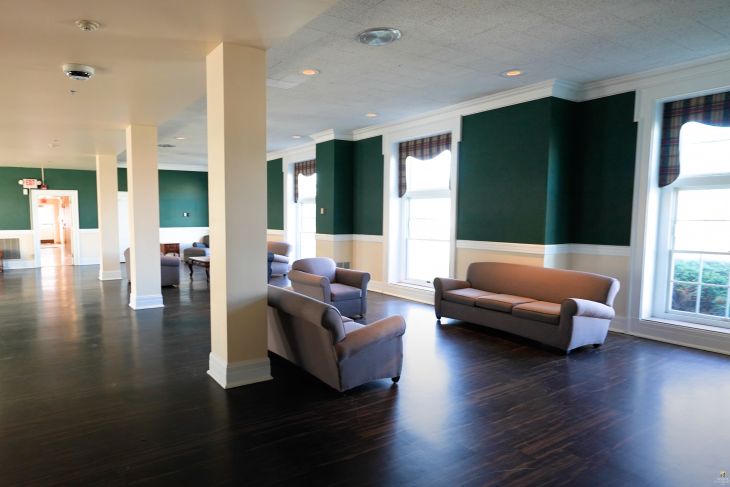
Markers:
106,202
236,82
144,217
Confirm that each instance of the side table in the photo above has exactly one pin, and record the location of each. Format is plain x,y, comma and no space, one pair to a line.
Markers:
170,248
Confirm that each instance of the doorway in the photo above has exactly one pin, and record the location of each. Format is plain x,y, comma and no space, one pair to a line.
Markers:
55,227
123,209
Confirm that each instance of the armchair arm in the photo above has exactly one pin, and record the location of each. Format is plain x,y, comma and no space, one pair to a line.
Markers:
589,309
443,284
353,278
170,261
199,244
316,287
369,336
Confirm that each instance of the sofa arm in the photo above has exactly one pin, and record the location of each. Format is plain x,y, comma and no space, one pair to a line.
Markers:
443,284
198,245
352,278
314,286
170,261
586,308
369,336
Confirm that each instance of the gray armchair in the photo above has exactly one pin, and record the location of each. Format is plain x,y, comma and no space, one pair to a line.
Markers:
321,279
336,350
282,251
169,269
199,249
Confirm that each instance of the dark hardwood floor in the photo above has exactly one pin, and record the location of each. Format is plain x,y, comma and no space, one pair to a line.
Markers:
93,393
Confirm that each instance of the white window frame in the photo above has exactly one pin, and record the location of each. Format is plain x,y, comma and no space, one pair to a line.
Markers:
667,215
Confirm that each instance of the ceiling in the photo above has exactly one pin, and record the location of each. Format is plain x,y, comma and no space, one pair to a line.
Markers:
149,58
451,51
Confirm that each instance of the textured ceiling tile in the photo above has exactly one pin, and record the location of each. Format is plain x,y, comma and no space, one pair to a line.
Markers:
717,19
604,25
420,10
348,9
326,23
517,18
700,38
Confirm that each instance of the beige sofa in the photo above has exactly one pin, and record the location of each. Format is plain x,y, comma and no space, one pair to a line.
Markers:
563,309
336,350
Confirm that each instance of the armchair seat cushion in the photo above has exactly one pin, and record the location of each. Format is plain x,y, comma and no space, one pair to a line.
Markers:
538,311
281,258
502,302
340,292
467,296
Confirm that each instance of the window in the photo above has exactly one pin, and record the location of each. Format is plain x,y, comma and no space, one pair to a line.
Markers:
426,216
695,280
307,216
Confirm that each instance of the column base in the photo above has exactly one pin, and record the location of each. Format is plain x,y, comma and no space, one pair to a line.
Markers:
239,374
145,302
110,275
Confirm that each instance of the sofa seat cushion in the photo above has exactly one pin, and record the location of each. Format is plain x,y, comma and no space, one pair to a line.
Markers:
465,296
538,311
351,326
340,292
281,258
502,302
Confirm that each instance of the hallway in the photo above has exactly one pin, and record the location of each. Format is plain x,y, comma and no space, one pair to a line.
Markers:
53,255
93,393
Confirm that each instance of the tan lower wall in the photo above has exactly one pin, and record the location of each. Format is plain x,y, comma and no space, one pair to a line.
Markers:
368,257
89,245
272,237
337,251
464,257
616,267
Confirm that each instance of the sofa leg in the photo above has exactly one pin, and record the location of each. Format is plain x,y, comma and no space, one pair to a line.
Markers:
395,379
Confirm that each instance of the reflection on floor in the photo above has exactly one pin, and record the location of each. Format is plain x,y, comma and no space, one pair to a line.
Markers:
55,255
93,393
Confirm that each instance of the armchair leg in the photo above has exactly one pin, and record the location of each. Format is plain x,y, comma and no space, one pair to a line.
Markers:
395,379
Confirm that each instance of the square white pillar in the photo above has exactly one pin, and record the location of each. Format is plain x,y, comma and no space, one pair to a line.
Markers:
108,215
236,85
144,217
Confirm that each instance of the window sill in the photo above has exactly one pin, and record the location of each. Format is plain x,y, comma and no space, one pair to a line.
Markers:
412,286
686,324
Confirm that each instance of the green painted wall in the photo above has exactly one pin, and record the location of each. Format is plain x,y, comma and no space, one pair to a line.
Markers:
183,192
275,194
85,183
14,205
121,179
503,174
335,179
368,187
602,196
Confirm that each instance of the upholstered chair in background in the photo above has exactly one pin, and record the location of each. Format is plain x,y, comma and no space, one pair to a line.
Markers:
282,251
199,249
321,279
169,269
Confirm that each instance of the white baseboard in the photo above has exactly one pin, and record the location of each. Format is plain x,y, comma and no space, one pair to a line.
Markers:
375,286
687,336
239,374
110,275
411,293
145,302
19,264
619,324
90,261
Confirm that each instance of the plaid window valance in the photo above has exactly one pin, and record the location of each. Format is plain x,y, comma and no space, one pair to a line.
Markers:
710,110
422,149
308,168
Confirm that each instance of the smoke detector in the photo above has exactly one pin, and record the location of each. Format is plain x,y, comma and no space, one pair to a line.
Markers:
78,71
87,25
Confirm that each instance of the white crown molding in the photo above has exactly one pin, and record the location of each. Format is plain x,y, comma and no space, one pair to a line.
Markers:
240,373
332,134
173,167
275,232
12,233
88,230
145,302
333,238
368,238
534,249
292,152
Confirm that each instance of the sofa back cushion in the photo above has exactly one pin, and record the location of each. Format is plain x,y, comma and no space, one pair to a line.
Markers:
308,309
319,266
540,283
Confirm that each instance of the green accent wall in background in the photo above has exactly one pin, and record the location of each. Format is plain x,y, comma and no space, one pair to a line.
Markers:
275,194
335,164
602,196
368,187
122,179
183,192
503,174
85,183
14,205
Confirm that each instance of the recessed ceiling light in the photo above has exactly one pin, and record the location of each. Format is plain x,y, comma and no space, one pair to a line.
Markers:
309,72
296,136
87,25
379,36
371,114
180,138
165,145
512,73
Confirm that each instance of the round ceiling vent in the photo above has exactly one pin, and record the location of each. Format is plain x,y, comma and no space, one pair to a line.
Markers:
87,25
165,145
78,71
379,36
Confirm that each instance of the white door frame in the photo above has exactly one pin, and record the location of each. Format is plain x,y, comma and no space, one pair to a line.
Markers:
73,196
